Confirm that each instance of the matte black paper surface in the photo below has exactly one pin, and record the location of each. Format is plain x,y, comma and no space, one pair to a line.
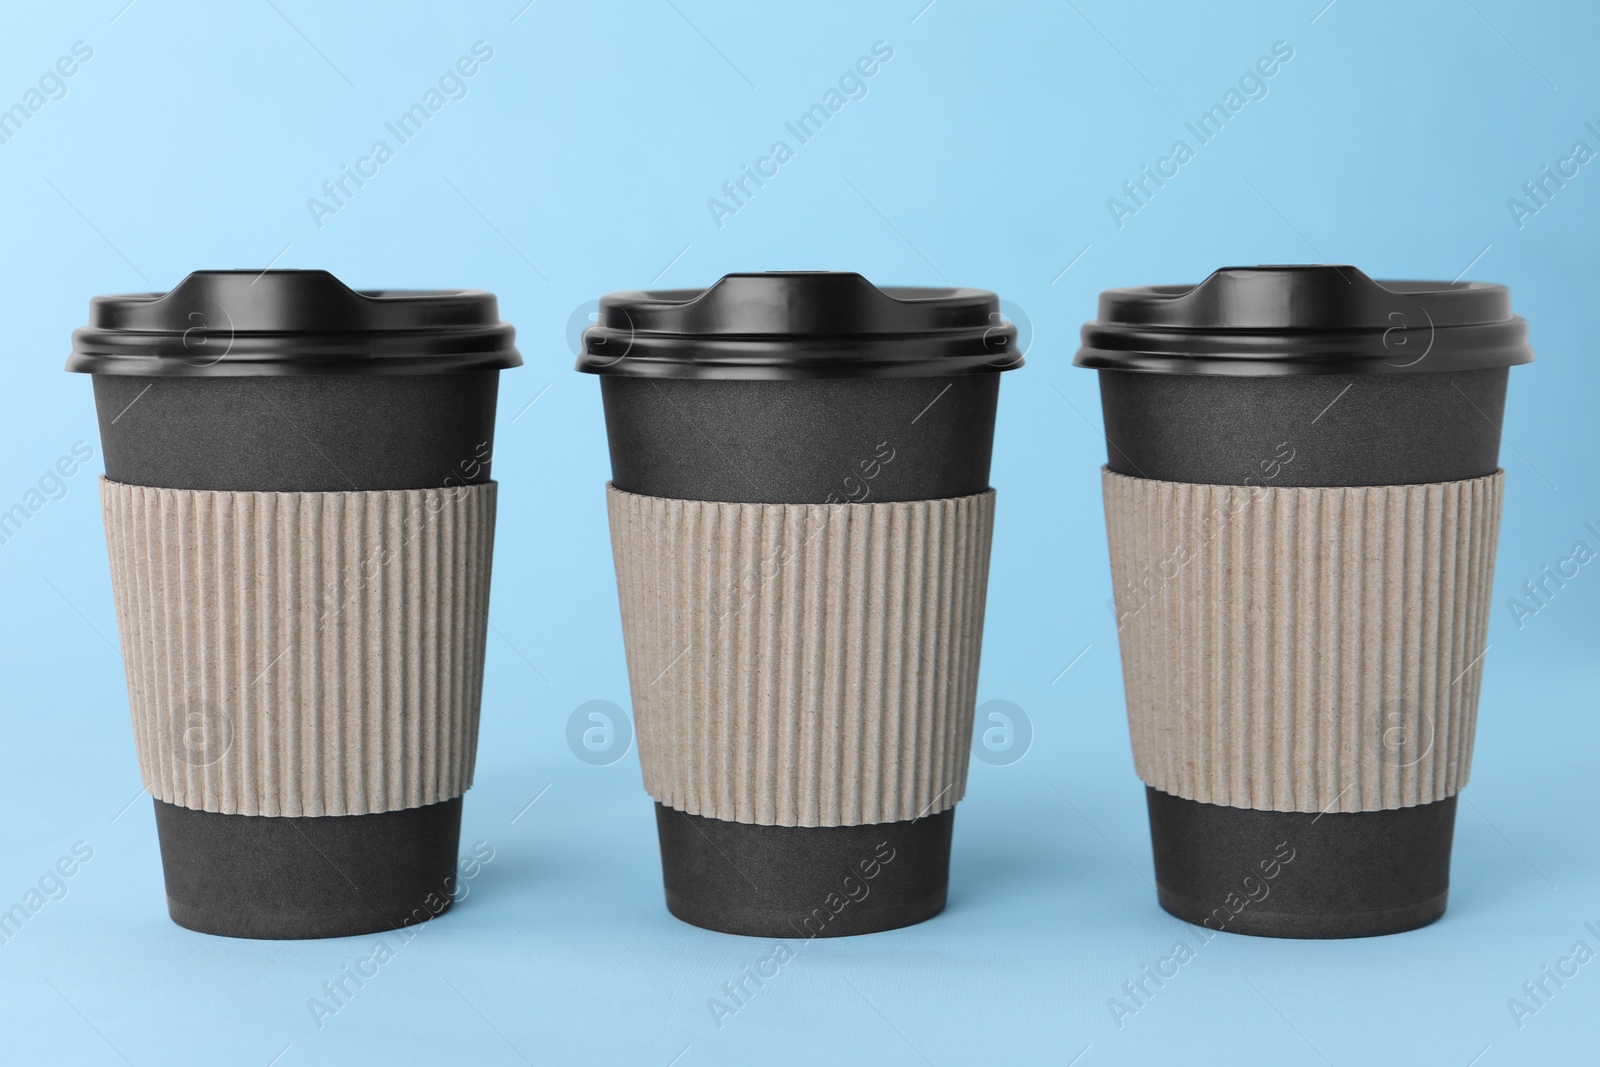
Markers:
797,442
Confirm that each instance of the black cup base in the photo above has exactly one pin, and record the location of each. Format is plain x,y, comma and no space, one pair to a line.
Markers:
804,881
1312,927
1301,874
289,878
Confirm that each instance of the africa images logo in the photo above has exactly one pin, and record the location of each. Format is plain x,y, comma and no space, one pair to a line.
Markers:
852,85
451,85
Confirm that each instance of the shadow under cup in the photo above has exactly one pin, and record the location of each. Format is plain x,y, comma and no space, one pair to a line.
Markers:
1369,416
298,429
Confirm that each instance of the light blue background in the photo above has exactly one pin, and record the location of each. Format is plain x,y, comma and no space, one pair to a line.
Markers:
984,153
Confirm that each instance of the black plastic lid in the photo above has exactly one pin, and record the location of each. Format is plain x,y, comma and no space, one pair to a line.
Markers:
799,324
245,322
1305,320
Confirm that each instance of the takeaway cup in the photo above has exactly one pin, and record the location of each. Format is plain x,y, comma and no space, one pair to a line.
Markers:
1302,504
300,518
801,515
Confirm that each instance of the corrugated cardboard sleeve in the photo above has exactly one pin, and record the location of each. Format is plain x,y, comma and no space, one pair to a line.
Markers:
300,654
803,664
1303,649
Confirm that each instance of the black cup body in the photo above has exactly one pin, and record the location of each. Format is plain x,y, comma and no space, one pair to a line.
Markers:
795,442
1353,874
302,877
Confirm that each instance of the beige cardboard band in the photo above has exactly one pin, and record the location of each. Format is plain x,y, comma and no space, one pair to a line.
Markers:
1303,649
302,653
803,664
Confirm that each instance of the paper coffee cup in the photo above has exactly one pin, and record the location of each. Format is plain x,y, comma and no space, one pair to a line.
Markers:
300,521
1303,499
801,516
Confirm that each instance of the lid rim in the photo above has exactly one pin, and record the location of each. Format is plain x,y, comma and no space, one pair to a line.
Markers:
229,323
1261,368
793,372
799,324
1305,319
